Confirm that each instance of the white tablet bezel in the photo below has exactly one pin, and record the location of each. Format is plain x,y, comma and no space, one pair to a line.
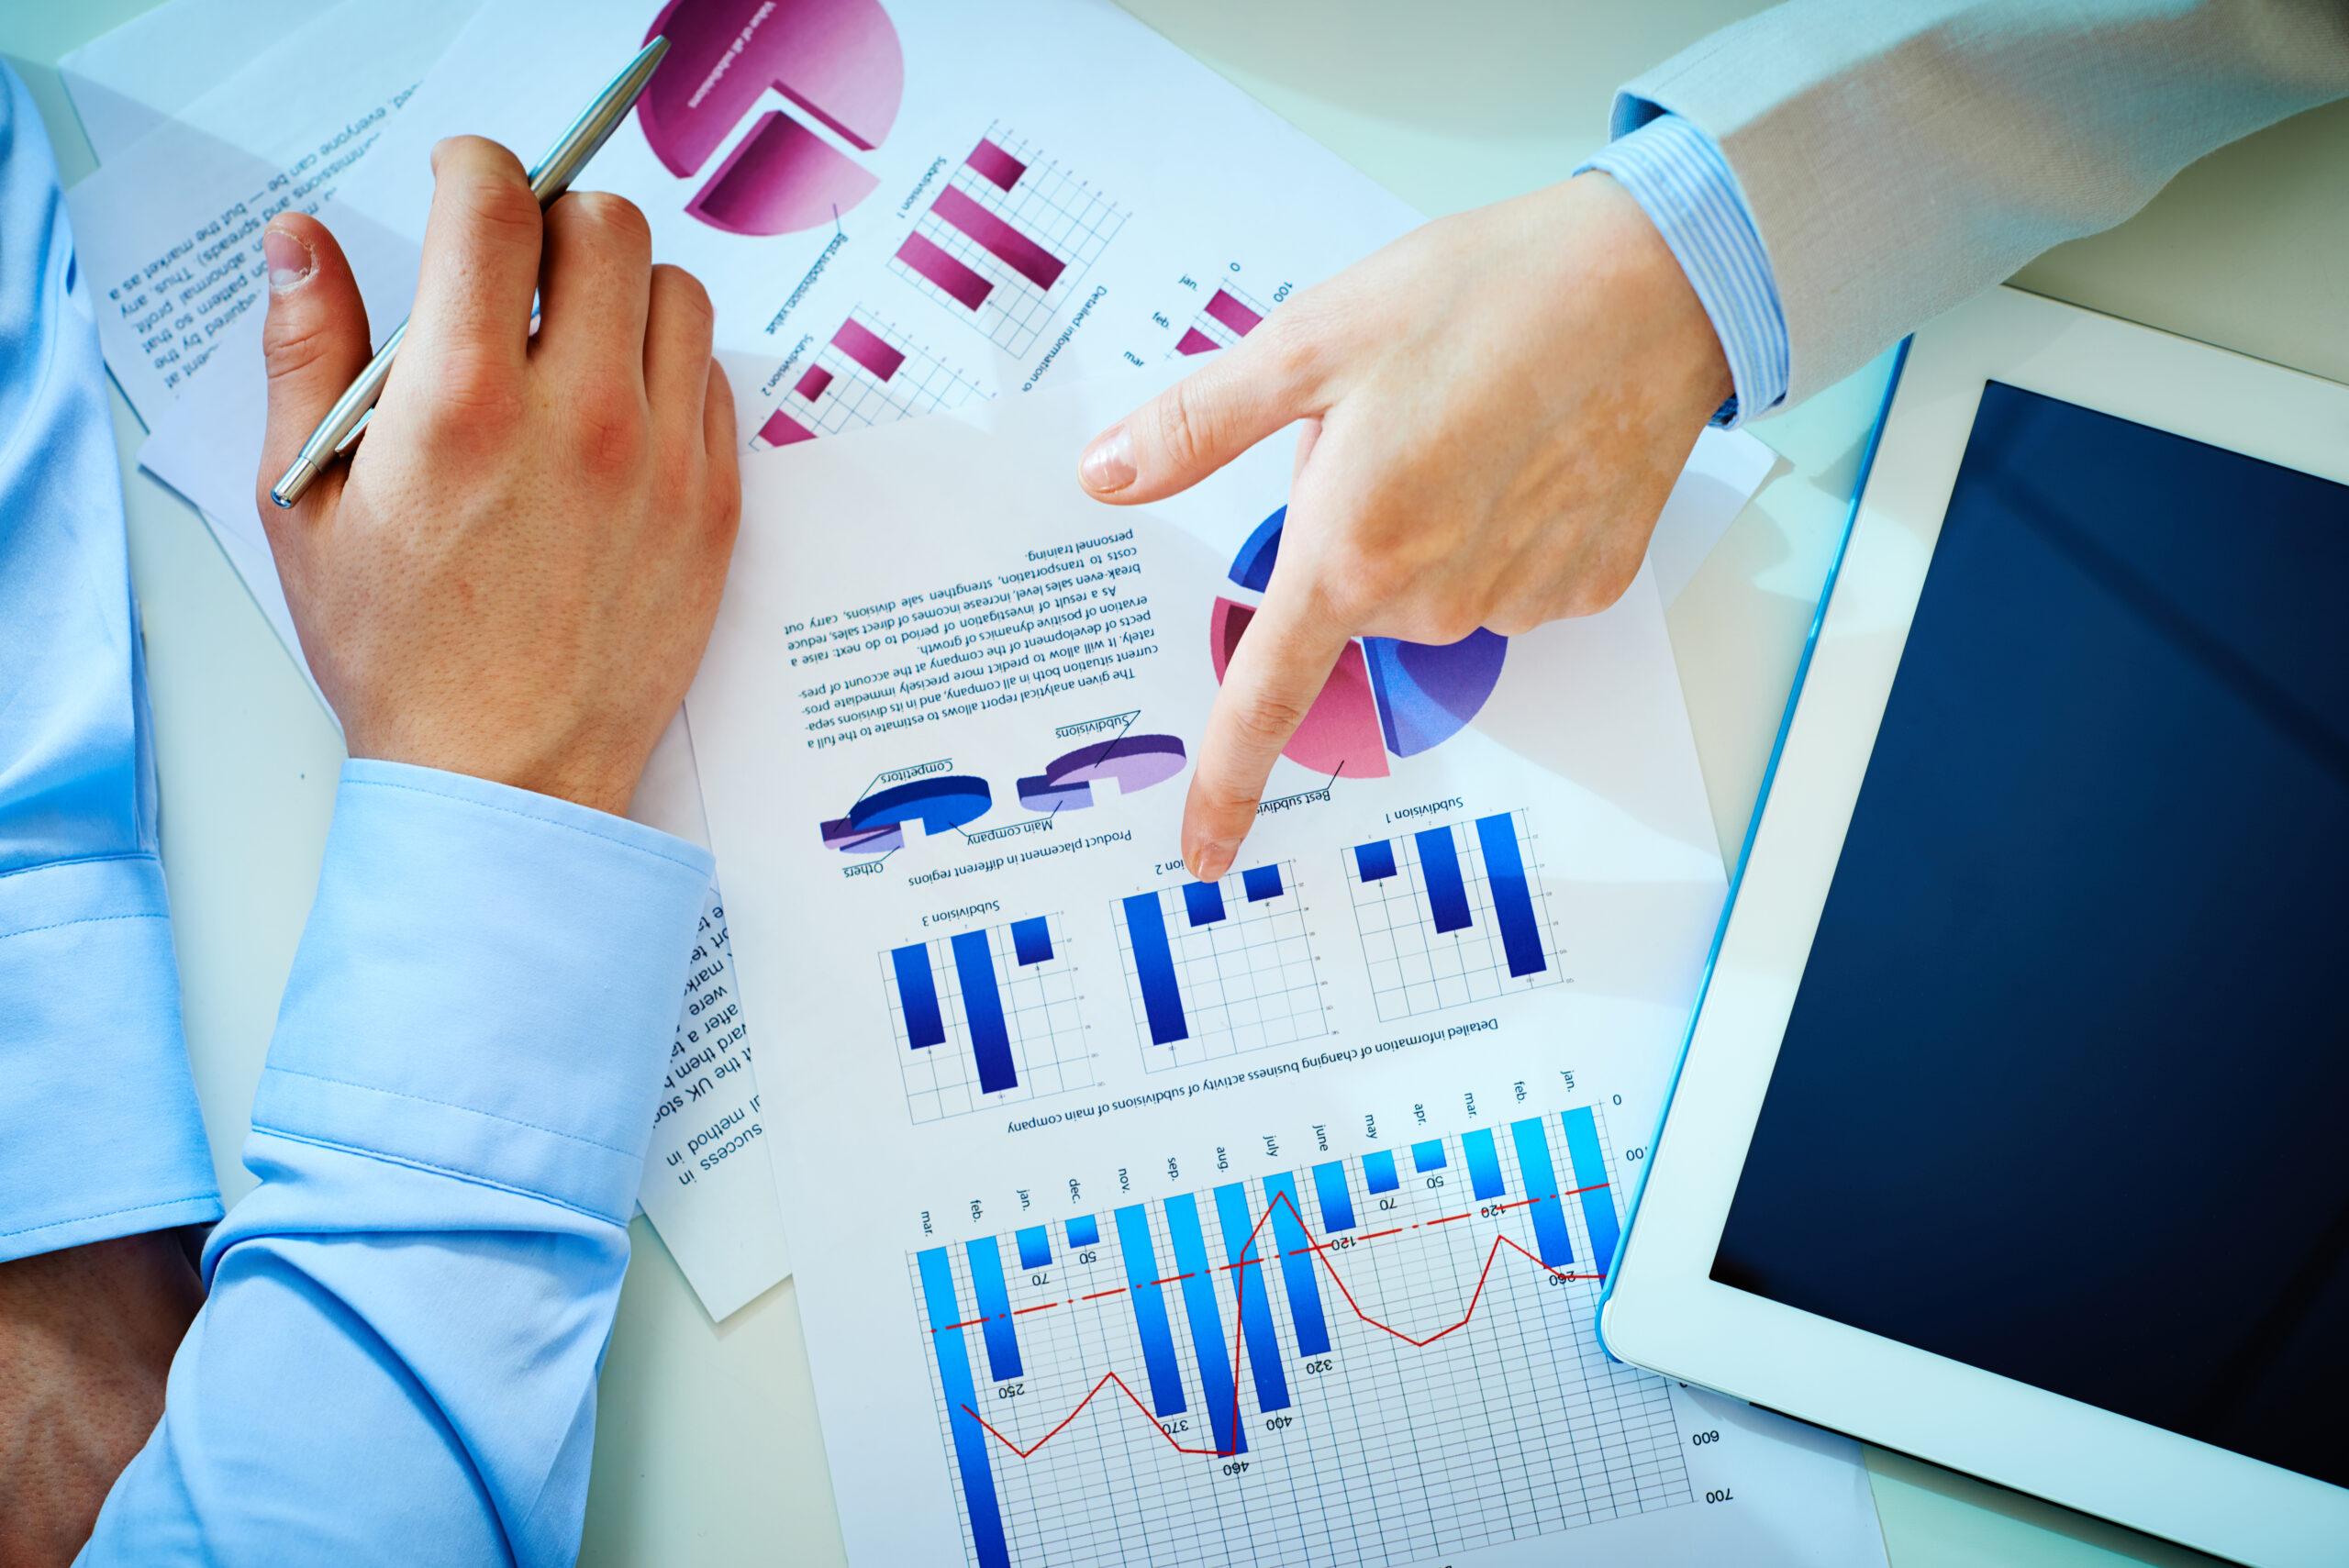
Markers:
1663,1310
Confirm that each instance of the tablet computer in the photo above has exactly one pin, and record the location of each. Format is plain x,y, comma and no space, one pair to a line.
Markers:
2012,1126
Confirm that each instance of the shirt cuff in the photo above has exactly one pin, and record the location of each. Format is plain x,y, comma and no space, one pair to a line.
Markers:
100,1135
488,987
1681,181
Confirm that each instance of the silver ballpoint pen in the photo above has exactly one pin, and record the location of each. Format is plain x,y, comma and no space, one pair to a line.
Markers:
339,431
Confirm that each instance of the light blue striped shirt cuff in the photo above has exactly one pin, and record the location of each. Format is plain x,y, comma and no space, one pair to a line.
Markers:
1685,185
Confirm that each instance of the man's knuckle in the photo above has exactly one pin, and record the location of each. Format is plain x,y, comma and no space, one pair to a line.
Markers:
291,345
679,291
614,217
608,430
500,207
1267,717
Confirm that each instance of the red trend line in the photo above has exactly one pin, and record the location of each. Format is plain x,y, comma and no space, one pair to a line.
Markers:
1239,1309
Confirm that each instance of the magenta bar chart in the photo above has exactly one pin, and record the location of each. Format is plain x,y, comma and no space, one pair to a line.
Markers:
1003,238
870,372
782,430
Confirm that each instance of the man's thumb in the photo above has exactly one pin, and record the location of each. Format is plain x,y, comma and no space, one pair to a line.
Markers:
314,342
1202,422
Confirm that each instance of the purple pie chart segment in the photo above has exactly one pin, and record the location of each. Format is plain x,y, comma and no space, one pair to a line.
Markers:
1428,693
1132,762
849,840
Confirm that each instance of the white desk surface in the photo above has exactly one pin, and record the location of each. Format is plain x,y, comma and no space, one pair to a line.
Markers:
707,1448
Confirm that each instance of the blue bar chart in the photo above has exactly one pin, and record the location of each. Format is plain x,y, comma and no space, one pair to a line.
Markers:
1397,1374
1450,915
985,1018
1217,968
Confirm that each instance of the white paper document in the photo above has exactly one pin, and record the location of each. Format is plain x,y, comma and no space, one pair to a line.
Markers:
1144,1221
825,323
135,79
168,230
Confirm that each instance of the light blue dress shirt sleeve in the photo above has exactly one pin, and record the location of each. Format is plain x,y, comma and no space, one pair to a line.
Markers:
396,1358
1687,188
397,1362
99,1132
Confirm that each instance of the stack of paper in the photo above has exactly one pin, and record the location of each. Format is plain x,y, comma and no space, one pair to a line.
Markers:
1430,1016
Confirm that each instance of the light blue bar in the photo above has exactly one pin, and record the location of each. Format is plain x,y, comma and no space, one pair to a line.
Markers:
1337,1202
1084,1231
1378,1171
1597,1193
1483,1164
994,1306
1200,1305
1035,1248
1512,902
1427,1156
1150,1311
962,1400
1550,1235
1251,1284
1297,1266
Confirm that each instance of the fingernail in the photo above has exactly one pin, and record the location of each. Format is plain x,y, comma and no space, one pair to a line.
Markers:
1109,465
1212,859
289,260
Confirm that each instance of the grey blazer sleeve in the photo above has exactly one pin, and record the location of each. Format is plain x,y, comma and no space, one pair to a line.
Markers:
1898,156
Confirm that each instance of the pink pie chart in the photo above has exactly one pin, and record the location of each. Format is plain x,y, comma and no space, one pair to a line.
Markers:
838,62
1385,699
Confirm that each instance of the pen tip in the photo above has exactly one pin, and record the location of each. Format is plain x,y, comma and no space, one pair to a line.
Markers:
293,482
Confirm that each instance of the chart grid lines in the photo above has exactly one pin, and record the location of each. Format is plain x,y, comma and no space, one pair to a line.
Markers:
941,1036
1211,972
1406,1440
1442,925
1047,229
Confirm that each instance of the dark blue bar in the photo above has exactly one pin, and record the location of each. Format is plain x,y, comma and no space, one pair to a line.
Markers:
1216,1383
1150,1311
962,1401
1297,1266
983,1009
1252,1283
1483,1164
1427,1156
1375,862
918,995
1505,874
1439,868
994,1306
1261,883
1337,1202
1597,1196
1550,1238
1031,941
1084,1231
1155,963
1378,1171
1203,902
1035,1248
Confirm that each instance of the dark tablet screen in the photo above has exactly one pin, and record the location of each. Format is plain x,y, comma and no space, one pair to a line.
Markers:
2065,1093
